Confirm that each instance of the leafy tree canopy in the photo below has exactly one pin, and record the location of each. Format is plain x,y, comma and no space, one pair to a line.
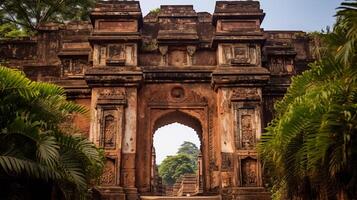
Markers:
174,166
185,162
189,148
30,15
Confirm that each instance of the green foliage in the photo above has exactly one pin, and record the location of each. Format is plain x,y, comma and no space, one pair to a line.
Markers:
310,148
155,11
31,15
35,144
9,30
174,166
189,148
185,162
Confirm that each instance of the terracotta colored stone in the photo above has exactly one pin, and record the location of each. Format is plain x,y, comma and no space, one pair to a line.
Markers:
218,73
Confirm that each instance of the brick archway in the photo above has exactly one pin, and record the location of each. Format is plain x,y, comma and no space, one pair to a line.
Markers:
184,118
192,109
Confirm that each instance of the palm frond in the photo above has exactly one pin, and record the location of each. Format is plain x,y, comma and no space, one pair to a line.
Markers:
15,166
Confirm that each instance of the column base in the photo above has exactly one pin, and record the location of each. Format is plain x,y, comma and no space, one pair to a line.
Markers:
131,193
108,193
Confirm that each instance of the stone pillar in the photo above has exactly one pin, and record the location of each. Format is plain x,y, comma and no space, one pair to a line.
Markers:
129,145
227,142
108,106
246,104
200,174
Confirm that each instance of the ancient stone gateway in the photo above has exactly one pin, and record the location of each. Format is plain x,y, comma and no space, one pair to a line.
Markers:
219,74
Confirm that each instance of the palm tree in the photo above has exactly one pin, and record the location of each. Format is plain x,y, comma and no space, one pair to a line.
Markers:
36,146
310,148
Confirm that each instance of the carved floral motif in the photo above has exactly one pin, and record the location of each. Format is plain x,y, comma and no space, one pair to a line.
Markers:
109,132
108,176
248,136
245,94
177,93
111,93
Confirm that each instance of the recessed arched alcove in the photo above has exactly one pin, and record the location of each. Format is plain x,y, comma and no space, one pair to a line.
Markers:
192,124
156,116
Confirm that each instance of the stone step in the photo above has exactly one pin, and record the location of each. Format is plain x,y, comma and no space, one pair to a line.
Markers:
181,198
251,193
253,197
242,190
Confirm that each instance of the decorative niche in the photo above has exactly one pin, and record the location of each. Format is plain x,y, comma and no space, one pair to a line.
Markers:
249,172
109,175
109,131
116,55
74,66
239,55
246,135
281,65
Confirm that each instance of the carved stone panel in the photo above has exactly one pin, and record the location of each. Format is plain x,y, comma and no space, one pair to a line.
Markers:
109,175
227,161
191,50
163,51
239,54
102,56
249,172
227,54
74,66
246,134
130,55
66,66
249,94
116,54
177,93
178,58
109,134
123,54
281,66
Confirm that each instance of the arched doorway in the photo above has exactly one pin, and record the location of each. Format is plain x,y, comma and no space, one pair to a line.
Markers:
163,117
176,161
182,117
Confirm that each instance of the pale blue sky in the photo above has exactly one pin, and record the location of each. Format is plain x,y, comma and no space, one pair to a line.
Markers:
306,15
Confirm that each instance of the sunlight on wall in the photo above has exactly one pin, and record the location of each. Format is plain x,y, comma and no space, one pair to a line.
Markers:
168,139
